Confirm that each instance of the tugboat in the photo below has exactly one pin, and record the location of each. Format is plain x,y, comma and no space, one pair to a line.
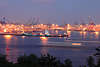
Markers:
47,34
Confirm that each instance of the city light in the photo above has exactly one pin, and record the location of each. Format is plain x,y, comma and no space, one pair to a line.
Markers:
23,37
39,29
43,38
78,44
7,36
5,30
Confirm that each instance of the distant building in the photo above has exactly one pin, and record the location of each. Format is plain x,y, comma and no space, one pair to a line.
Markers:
3,21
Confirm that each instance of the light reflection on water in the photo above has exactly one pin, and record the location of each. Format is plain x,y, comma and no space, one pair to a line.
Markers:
11,53
69,33
83,34
44,41
15,46
97,35
8,37
8,42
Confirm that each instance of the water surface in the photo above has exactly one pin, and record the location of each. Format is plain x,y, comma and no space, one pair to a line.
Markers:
15,46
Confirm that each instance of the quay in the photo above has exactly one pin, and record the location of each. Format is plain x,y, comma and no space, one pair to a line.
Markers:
14,34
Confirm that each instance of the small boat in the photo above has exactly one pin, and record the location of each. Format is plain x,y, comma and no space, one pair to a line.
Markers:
28,34
68,38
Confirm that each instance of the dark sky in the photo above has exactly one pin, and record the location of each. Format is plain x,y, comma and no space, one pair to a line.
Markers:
50,11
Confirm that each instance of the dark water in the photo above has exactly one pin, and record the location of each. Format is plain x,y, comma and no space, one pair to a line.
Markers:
15,46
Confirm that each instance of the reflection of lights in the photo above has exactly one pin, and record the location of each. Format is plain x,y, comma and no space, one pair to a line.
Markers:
60,35
96,33
84,33
7,49
69,33
43,38
56,32
76,44
7,36
81,32
8,42
44,51
23,37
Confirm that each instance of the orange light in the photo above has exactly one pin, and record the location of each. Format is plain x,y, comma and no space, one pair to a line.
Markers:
41,34
43,38
41,24
76,44
84,33
23,37
69,33
60,35
53,24
96,33
5,30
84,29
7,36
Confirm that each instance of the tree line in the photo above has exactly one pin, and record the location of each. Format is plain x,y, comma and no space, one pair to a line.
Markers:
44,61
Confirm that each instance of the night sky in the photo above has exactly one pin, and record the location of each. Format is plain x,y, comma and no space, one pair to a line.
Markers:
50,11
